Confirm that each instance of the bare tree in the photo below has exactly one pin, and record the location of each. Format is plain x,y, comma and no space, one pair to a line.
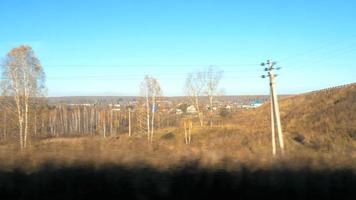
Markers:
145,88
203,83
129,112
152,89
22,78
212,77
194,88
188,126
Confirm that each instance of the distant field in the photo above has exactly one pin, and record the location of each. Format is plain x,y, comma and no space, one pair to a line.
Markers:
233,157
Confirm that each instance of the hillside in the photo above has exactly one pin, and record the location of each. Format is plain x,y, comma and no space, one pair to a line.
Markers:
323,120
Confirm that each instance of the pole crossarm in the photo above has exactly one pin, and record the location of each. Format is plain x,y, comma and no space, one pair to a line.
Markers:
275,116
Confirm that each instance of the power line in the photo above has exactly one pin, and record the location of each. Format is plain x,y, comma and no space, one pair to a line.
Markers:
327,58
101,66
93,78
311,51
145,65
140,74
326,55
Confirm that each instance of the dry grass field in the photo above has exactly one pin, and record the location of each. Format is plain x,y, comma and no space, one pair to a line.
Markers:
319,128
233,158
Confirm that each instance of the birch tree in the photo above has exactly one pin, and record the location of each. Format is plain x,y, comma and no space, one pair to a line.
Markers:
194,88
211,89
22,78
203,83
152,89
129,112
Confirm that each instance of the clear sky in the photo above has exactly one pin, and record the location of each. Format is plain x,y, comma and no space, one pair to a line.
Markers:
106,47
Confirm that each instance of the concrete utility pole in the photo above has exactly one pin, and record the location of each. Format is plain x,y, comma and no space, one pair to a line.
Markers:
275,117
272,126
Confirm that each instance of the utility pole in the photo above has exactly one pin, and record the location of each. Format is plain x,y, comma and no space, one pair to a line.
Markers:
275,117
272,126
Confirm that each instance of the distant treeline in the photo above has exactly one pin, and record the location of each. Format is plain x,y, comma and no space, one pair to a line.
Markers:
127,99
74,120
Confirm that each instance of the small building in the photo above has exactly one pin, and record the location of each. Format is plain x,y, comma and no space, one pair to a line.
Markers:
256,103
81,104
179,111
115,105
252,104
228,107
214,108
191,109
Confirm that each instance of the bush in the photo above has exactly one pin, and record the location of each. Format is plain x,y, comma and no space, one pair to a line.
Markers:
168,136
225,113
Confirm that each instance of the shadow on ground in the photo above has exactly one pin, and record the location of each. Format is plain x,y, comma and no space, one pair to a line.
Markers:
189,182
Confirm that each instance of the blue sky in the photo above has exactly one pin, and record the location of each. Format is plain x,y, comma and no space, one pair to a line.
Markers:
106,47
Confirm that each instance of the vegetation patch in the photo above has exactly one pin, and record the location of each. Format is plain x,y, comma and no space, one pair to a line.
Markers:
168,136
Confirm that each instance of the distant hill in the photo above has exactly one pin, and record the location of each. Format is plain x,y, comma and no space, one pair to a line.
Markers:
125,99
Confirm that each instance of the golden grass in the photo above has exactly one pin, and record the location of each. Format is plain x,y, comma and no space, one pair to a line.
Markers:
215,148
318,131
